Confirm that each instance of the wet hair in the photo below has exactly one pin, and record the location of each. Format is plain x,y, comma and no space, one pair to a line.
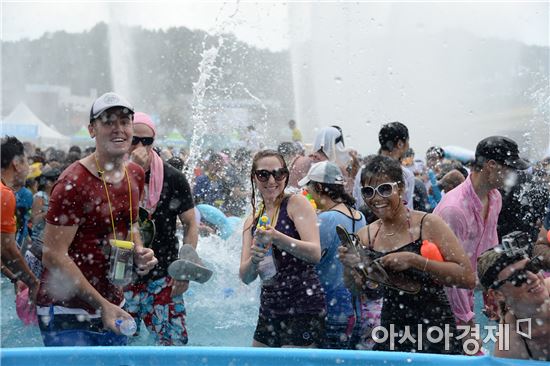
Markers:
336,192
435,151
260,155
76,149
382,165
390,134
450,166
176,162
11,148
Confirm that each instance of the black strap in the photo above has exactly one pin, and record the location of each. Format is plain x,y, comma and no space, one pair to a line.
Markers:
352,218
421,223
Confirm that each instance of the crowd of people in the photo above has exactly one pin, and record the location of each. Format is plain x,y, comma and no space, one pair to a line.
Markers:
486,220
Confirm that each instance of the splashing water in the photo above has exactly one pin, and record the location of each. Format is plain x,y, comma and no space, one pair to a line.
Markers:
221,312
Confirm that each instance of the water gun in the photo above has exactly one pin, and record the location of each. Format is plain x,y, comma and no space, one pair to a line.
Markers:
310,199
431,251
263,222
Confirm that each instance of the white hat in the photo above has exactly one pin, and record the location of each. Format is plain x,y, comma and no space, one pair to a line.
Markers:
109,100
323,172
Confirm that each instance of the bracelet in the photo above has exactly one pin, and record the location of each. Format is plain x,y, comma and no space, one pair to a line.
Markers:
14,280
425,265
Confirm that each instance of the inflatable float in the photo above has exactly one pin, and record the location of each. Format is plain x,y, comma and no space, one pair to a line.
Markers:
225,225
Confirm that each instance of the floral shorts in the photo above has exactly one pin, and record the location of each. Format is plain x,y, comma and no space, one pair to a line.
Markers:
163,315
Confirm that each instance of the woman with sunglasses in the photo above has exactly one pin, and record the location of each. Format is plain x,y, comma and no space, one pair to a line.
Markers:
292,304
518,285
325,184
395,239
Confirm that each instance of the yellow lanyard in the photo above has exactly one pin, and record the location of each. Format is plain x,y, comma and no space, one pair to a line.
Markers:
101,173
275,215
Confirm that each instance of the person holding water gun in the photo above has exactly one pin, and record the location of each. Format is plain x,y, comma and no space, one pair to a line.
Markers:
292,303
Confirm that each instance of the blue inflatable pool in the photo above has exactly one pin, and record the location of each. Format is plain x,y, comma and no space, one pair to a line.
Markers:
225,356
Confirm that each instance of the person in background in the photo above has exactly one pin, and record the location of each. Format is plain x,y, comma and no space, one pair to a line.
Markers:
296,134
211,187
40,204
75,154
95,200
471,210
15,168
394,143
435,156
325,183
522,292
292,303
157,298
328,145
23,205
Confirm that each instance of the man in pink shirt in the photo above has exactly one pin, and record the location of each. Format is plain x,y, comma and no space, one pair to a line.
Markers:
472,209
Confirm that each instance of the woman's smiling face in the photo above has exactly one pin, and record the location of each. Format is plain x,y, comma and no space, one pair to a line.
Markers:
271,188
384,207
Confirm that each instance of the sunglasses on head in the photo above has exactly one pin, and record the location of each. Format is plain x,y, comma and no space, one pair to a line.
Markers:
278,174
520,276
145,141
384,190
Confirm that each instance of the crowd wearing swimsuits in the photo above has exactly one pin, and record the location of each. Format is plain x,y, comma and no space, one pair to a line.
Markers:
379,290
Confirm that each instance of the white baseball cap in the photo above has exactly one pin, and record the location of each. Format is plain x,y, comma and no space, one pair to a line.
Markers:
109,100
323,172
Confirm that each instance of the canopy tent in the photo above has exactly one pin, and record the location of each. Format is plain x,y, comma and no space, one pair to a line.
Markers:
174,138
26,126
82,137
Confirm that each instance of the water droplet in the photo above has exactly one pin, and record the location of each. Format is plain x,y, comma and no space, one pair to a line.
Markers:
309,292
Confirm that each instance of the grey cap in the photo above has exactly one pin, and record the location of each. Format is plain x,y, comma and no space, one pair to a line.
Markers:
109,100
323,172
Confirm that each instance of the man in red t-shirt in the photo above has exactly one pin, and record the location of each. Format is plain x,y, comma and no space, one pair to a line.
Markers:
78,302
14,171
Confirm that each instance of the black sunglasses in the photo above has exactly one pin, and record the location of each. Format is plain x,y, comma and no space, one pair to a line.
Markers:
520,276
145,141
278,174
384,190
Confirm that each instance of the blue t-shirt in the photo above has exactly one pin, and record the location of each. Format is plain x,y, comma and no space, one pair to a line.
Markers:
23,204
330,269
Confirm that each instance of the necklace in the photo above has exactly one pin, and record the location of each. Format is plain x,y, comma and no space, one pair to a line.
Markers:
100,173
396,231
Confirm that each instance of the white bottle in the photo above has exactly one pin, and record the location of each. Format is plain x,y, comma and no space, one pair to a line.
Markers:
127,327
266,267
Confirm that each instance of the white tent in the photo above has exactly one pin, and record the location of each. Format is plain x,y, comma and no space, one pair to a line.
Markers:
26,126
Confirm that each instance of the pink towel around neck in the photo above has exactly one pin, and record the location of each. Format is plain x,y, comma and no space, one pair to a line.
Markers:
156,167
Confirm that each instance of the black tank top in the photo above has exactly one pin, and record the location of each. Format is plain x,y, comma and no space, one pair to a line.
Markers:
429,307
295,289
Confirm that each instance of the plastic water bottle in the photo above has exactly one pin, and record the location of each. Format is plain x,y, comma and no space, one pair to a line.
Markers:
127,327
